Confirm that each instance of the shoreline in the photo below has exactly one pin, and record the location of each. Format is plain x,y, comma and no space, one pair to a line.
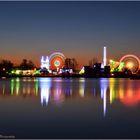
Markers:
72,77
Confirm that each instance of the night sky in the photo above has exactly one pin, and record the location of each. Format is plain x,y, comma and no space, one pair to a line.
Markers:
77,29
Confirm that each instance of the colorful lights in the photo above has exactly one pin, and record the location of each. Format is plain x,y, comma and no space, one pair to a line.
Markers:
114,65
121,66
25,72
57,60
131,62
57,63
129,65
53,64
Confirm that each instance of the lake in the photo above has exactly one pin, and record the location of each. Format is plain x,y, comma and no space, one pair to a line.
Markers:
70,108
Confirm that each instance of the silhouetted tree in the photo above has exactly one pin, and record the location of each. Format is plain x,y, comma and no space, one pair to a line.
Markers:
75,64
93,61
6,64
26,65
31,65
71,63
5,67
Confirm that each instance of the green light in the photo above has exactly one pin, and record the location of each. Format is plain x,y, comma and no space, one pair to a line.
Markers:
36,87
121,66
37,72
12,86
12,71
17,86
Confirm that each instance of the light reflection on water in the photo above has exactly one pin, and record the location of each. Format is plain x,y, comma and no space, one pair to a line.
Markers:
57,90
45,85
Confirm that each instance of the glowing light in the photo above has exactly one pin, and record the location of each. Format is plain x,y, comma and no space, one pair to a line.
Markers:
121,66
111,84
104,100
82,71
17,86
135,66
58,96
103,93
104,85
12,71
121,93
104,56
129,65
131,98
17,72
45,63
82,87
57,63
37,72
28,90
36,87
45,85
57,60
12,86
114,65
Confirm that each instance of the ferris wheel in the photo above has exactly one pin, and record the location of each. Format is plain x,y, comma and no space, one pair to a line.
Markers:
131,62
57,60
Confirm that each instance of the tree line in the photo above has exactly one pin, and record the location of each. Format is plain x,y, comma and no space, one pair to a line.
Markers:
8,66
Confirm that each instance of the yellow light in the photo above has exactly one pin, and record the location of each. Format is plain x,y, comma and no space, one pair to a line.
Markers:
82,71
129,65
18,72
57,63
121,94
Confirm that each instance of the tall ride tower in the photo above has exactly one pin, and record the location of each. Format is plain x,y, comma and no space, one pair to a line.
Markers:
104,56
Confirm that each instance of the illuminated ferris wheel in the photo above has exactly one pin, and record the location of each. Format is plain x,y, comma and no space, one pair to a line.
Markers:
131,62
57,60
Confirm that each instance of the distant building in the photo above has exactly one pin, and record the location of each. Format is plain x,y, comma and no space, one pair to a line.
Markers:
107,70
88,71
45,64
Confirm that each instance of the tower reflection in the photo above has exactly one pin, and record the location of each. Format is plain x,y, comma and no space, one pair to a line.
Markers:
45,85
104,86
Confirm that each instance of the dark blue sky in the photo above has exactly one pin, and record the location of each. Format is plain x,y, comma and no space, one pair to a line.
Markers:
77,29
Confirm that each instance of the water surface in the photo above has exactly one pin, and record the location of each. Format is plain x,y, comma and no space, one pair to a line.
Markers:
70,108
